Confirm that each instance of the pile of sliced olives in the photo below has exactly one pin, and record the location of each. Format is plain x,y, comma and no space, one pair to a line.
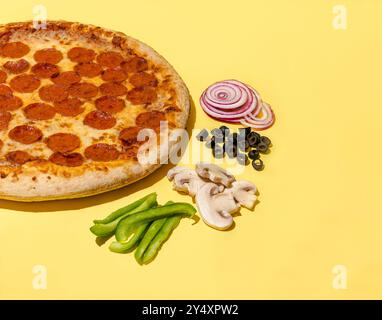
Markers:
244,145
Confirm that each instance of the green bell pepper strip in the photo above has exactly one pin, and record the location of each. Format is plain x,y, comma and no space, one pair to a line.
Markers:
108,229
124,229
120,212
131,244
138,231
162,236
148,237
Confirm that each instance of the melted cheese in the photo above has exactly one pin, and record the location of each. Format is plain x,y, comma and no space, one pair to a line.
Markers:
88,135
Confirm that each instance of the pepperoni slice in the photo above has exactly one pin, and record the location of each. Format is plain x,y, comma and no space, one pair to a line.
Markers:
25,134
110,59
63,142
70,107
18,66
81,55
89,69
101,152
25,83
3,76
5,90
45,70
135,64
5,118
9,103
129,135
150,119
100,120
130,151
39,111
83,90
66,78
53,93
14,50
19,157
172,108
142,95
110,104
142,79
67,160
114,75
49,55
113,89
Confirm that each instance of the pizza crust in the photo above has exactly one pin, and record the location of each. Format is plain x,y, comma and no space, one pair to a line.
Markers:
47,181
44,186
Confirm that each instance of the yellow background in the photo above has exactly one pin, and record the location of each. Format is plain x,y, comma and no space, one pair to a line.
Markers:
320,202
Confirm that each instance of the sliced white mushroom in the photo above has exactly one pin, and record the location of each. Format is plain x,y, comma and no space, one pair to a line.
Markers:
188,181
216,207
214,173
244,193
174,171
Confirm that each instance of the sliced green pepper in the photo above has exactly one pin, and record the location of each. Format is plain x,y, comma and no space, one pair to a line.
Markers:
120,212
136,233
148,237
126,224
108,229
162,236
131,244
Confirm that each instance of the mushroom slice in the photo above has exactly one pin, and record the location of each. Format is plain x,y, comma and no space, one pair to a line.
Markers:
244,193
216,207
174,171
214,173
188,181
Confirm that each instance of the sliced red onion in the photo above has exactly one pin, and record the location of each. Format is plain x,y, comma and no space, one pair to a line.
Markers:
223,96
235,102
246,104
228,109
266,121
238,113
259,103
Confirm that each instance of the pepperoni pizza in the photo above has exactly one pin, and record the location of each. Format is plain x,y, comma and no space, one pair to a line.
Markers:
73,99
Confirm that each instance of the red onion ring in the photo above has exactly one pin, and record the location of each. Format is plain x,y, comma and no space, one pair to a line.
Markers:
260,101
265,122
243,98
235,113
220,96
235,102
246,104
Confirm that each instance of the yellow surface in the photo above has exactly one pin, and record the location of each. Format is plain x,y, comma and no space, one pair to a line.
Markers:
320,193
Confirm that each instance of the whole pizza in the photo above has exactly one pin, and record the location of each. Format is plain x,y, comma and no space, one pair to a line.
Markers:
73,98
